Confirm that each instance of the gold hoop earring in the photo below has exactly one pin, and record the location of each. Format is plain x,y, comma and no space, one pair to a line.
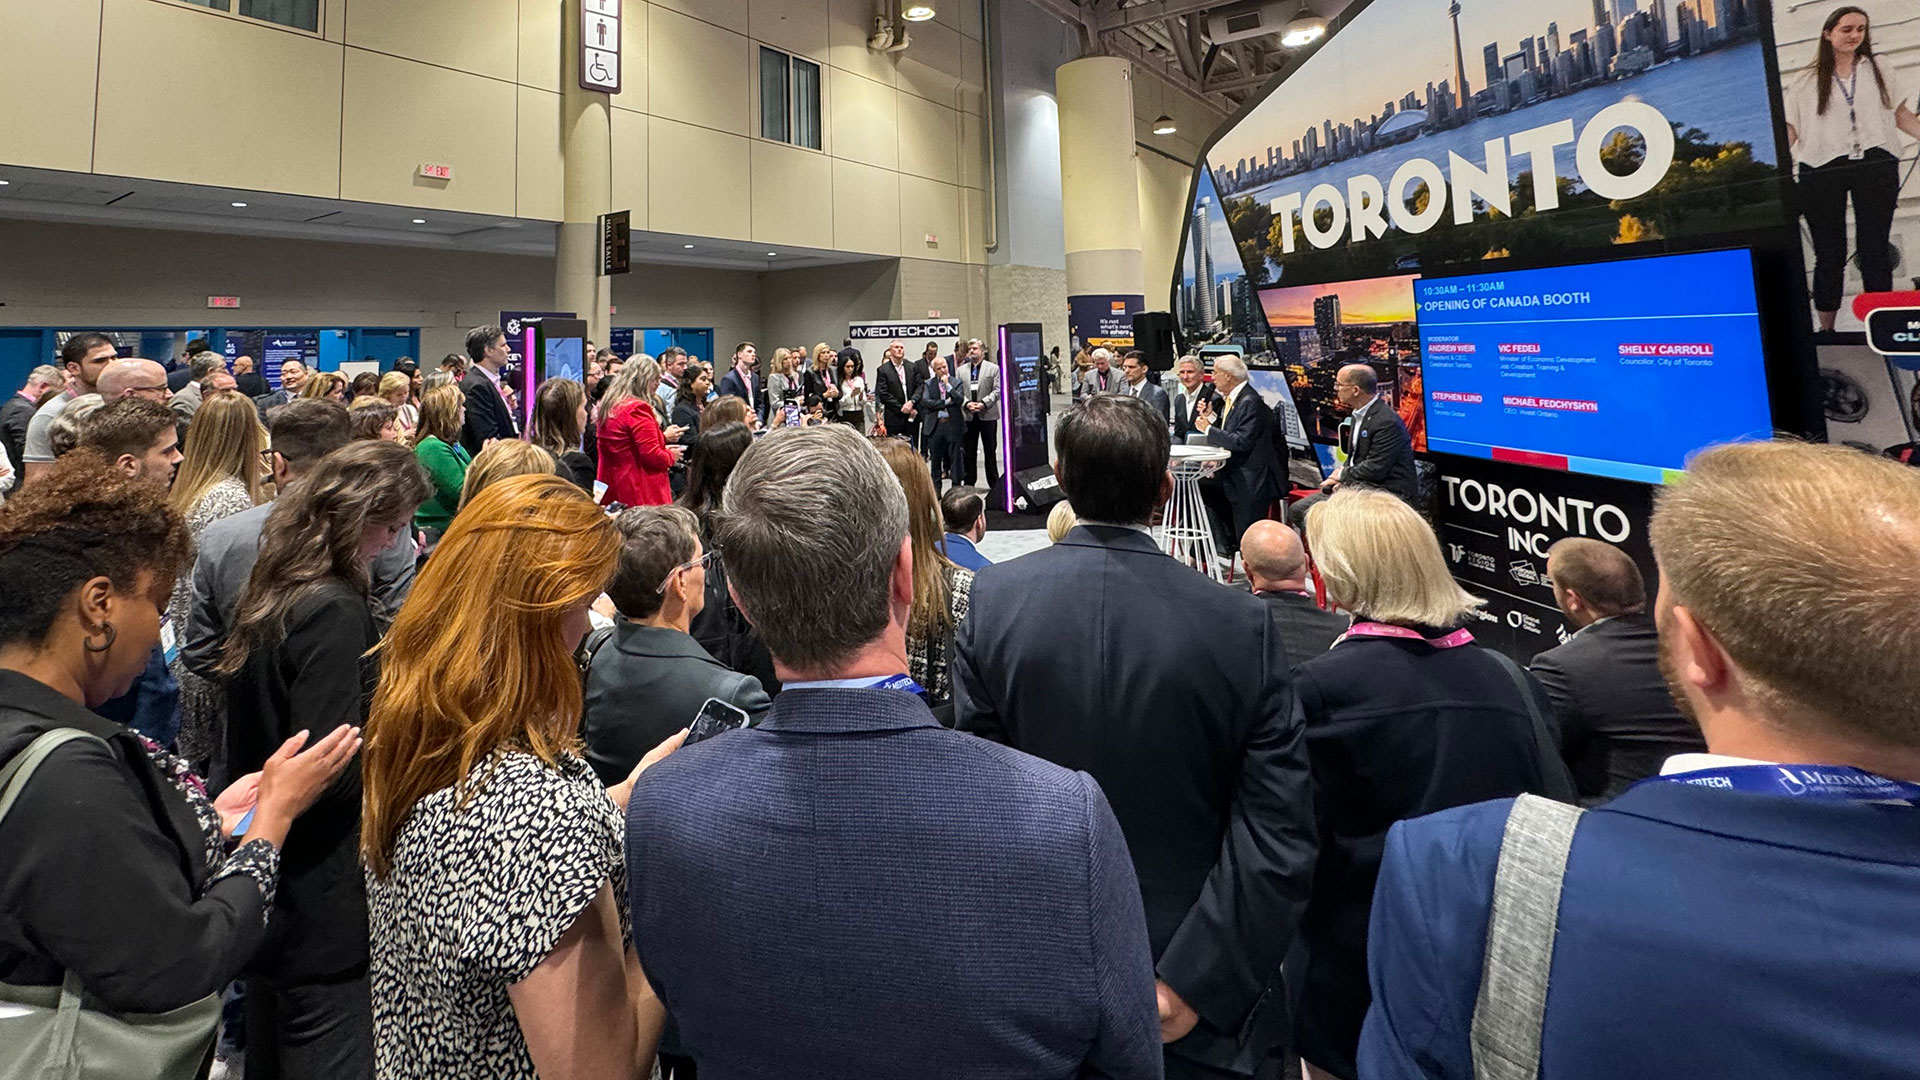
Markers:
108,629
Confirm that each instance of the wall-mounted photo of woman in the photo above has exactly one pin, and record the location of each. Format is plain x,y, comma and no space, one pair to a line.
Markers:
1845,116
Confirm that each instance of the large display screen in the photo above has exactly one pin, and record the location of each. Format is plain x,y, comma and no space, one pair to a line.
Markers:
1616,369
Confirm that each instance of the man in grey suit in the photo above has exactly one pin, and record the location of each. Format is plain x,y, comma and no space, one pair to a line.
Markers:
981,380
1138,386
304,431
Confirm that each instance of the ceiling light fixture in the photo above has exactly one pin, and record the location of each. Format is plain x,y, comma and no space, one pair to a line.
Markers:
238,205
4,183
1164,125
917,12
689,247
771,254
1304,30
419,221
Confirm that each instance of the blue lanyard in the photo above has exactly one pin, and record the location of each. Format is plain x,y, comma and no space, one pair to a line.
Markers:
1841,782
885,682
1848,88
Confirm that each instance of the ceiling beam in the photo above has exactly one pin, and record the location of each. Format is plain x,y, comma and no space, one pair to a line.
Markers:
1156,11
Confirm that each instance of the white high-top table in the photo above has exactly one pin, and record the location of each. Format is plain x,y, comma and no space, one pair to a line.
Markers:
1185,531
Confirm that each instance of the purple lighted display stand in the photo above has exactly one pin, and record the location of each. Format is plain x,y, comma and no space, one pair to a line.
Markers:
1023,404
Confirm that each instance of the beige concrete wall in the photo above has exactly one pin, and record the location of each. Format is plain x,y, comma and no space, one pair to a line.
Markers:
388,85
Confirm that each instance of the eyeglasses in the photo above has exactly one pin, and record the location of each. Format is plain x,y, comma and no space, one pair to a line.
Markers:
702,561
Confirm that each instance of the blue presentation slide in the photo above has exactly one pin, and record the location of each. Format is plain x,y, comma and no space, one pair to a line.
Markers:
1618,369
565,359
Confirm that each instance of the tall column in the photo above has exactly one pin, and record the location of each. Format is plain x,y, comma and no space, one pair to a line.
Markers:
587,193
1100,197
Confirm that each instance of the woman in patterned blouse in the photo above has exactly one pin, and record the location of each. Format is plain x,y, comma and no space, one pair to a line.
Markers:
119,871
495,862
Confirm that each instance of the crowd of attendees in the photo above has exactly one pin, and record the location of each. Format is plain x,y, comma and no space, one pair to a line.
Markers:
357,731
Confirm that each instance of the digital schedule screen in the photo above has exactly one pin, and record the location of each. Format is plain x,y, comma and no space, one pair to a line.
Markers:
1617,369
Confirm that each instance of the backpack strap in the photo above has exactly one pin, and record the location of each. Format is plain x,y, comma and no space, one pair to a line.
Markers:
1555,778
1512,1005
15,774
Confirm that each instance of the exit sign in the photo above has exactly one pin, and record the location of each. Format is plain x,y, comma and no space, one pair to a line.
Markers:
223,301
436,172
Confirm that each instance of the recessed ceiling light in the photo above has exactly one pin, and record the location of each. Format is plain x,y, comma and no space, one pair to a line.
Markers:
917,12
419,221
689,247
238,205
771,254
4,183
1164,125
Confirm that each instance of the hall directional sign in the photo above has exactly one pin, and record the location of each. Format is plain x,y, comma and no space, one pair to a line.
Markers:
600,45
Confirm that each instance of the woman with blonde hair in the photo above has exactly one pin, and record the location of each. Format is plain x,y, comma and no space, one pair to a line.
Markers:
495,869
783,386
396,389
220,475
1060,521
326,385
637,447
503,460
941,589
821,385
1406,715
437,445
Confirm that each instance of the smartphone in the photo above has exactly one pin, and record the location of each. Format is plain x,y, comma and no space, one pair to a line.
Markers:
792,413
240,828
714,718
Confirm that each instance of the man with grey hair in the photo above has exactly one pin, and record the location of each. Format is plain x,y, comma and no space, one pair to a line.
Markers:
1240,422
940,898
201,365
17,413
1100,378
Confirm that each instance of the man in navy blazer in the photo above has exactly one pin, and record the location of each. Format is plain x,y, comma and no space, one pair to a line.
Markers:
1178,699
742,380
1751,912
1379,450
487,414
850,889
1240,421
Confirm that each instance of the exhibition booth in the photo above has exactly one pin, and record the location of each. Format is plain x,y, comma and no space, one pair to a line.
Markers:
1568,237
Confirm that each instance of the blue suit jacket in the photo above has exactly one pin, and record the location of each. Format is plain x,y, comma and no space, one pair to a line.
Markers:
1703,934
964,555
850,889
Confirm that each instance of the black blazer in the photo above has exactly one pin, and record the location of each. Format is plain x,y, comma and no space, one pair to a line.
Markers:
1178,701
579,468
1381,453
1256,471
15,415
756,398
317,678
1305,630
1182,409
890,390
105,869
813,387
1618,722
1397,729
487,414
252,384
644,684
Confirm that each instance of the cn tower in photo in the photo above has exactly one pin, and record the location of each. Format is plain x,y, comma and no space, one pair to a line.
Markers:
1462,99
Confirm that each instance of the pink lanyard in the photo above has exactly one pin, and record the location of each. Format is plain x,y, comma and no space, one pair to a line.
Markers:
1373,629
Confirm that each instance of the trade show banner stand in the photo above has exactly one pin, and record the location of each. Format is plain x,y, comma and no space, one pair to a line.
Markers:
1558,232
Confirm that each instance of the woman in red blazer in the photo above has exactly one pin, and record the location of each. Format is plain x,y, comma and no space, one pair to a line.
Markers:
635,453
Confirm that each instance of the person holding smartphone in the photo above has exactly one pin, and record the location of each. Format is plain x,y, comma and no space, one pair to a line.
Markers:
120,871
494,856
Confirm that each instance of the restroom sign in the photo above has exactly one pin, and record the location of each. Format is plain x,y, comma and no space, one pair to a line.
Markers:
600,45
